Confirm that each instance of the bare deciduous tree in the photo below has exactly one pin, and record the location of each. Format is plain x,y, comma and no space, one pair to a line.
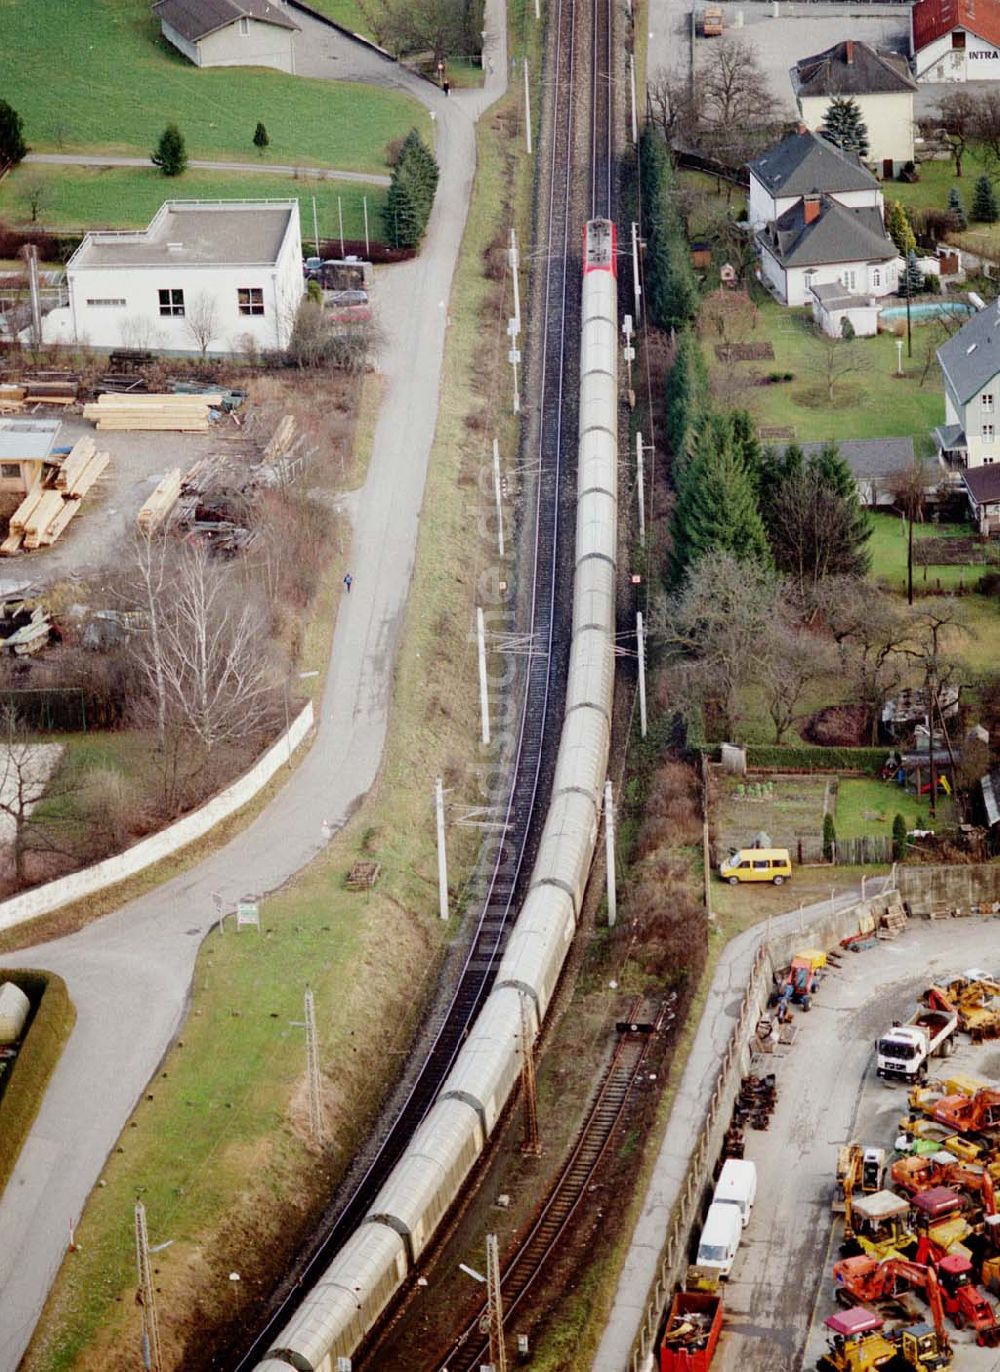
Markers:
956,119
672,107
24,781
874,636
836,358
789,662
910,487
986,126
442,27
201,320
734,90
37,197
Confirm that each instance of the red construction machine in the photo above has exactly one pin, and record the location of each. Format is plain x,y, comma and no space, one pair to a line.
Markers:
865,1281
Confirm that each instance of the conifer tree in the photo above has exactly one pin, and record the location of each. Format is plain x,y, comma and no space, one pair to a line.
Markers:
170,154
984,202
12,144
686,393
671,285
913,277
898,227
654,177
411,193
957,208
260,138
716,510
844,127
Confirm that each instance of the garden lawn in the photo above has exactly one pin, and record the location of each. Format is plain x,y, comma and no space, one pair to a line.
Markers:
859,801
871,402
117,84
888,544
711,197
123,197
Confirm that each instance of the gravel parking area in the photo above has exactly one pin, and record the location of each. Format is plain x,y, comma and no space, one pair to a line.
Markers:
781,1289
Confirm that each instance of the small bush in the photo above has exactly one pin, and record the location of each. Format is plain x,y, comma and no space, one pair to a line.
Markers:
989,584
788,376
899,837
829,837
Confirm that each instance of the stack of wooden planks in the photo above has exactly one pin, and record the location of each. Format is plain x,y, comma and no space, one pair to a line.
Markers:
52,391
24,626
281,439
45,512
161,502
175,413
12,396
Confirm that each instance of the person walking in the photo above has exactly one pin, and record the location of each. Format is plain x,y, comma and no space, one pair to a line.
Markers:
348,582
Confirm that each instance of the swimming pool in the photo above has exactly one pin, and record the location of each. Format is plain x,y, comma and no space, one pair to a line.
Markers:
926,309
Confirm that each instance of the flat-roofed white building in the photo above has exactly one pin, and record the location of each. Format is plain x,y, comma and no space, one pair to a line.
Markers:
220,276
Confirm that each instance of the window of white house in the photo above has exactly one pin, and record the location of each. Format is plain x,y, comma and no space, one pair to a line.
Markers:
987,433
849,278
251,299
111,302
244,26
987,403
876,278
172,302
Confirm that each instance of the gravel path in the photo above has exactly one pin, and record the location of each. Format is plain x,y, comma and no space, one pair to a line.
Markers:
129,974
75,159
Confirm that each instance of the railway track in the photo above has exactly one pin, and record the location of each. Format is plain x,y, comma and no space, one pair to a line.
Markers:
542,699
524,1266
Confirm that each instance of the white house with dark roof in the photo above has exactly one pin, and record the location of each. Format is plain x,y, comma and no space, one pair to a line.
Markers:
817,217
970,369
230,33
217,276
879,83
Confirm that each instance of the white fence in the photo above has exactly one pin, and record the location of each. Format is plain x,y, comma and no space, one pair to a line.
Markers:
43,899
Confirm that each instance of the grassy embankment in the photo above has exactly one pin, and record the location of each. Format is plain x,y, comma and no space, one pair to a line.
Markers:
220,1148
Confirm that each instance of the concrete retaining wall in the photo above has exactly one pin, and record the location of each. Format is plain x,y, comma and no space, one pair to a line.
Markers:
44,899
940,888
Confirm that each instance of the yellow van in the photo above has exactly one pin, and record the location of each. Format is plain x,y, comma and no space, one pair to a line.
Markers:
757,864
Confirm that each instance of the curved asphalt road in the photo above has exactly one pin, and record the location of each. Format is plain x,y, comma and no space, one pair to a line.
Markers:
129,974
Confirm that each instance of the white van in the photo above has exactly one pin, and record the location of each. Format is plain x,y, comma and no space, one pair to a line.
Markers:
720,1238
737,1185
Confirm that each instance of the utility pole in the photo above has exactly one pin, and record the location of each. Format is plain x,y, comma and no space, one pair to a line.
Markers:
317,1123
640,485
640,639
513,259
527,109
442,855
631,82
498,494
36,300
609,849
151,1356
315,228
368,251
494,1305
628,353
340,221
484,697
636,287
514,357
532,1142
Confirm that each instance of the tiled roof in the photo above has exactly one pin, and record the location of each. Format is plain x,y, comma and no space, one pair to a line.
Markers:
195,19
932,19
852,68
971,357
838,234
804,163
869,457
983,483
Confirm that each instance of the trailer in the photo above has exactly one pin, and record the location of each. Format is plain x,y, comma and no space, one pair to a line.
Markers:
691,1333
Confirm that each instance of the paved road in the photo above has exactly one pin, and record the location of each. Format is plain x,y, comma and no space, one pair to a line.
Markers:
129,974
73,159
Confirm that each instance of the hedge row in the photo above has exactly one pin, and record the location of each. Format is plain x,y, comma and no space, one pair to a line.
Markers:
769,757
51,1020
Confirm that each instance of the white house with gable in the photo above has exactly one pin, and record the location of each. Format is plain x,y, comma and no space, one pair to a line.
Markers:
970,369
219,276
817,215
230,33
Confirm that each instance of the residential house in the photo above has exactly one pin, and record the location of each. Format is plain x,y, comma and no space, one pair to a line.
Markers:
955,40
880,85
982,490
970,369
873,463
230,33
204,277
817,217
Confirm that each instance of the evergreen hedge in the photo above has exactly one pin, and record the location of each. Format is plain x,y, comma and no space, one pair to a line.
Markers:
49,1024
773,757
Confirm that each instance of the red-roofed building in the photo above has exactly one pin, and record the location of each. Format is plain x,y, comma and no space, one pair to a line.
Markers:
955,40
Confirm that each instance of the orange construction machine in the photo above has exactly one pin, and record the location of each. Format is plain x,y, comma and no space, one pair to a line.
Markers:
969,1114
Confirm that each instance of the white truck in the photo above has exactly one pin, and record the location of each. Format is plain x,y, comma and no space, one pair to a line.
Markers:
903,1051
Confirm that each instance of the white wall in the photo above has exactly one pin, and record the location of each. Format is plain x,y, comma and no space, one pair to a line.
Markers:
888,117
864,320
54,894
137,323
798,283
939,61
190,50
263,45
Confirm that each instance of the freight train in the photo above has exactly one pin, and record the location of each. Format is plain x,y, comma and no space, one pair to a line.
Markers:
369,1269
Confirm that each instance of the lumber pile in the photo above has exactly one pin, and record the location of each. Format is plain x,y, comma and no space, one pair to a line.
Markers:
161,502
281,439
172,413
36,526
45,512
12,397
75,461
55,390
24,626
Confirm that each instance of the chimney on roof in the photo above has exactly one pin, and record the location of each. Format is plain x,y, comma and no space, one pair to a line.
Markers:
849,52
810,209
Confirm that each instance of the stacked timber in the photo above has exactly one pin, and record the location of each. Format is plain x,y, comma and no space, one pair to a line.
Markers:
44,513
52,389
173,413
12,397
281,439
24,626
161,502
